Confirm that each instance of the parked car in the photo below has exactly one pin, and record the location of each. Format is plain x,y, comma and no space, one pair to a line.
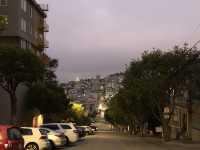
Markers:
34,139
69,130
94,128
81,131
56,139
11,138
88,130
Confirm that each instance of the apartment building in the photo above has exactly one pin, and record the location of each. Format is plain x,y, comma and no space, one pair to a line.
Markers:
25,25
22,25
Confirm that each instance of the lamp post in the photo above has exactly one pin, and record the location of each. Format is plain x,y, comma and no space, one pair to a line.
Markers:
166,116
166,112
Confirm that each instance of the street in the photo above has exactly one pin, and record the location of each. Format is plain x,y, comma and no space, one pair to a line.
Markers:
112,141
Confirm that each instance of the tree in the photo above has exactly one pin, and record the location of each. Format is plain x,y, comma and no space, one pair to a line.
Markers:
3,22
49,99
18,67
156,81
164,76
50,76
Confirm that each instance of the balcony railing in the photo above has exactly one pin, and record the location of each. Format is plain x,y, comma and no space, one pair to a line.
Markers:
44,7
44,27
46,44
42,43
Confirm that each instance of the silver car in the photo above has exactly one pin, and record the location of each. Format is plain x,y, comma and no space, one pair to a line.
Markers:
56,139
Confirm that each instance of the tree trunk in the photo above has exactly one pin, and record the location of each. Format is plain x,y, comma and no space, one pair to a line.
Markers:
189,105
13,100
132,127
166,131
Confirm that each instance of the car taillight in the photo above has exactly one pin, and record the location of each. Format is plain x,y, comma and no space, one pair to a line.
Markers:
43,137
8,146
75,131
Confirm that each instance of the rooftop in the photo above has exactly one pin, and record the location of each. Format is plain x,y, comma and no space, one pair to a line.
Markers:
40,7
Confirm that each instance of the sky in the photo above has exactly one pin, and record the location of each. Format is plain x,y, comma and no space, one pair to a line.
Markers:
99,37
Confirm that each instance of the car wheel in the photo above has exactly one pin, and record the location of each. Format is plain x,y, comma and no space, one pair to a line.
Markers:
67,140
52,146
32,146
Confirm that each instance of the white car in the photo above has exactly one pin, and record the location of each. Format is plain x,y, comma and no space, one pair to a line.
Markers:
56,139
69,130
34,139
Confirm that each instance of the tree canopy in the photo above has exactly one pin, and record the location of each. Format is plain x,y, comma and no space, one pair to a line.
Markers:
18,67
155,81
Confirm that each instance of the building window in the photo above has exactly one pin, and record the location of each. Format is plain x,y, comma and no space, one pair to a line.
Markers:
3,2
23,25
29,46
24,5
30,28
31,12
23,44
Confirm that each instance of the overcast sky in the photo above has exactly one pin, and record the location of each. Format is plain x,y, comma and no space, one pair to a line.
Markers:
92,37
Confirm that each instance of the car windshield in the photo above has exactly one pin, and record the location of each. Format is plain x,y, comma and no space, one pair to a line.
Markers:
26,131
43,131
52,127
65,126
14,134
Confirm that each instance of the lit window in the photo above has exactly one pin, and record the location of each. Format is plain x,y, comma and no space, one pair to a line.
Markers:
3,2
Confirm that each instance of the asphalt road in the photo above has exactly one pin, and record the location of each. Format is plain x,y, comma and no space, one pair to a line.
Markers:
112,141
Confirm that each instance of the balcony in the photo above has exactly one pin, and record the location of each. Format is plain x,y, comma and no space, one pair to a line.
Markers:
42,43
46,44
44,27
44,7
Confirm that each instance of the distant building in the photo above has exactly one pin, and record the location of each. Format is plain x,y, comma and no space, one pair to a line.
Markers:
110,88
112,84
94,93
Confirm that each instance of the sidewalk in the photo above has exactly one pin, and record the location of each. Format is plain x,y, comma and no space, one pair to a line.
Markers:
185,144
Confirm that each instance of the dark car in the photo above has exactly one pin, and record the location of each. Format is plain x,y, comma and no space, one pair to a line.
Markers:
81,131
11,138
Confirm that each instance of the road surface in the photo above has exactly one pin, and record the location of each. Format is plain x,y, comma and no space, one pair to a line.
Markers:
112,141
